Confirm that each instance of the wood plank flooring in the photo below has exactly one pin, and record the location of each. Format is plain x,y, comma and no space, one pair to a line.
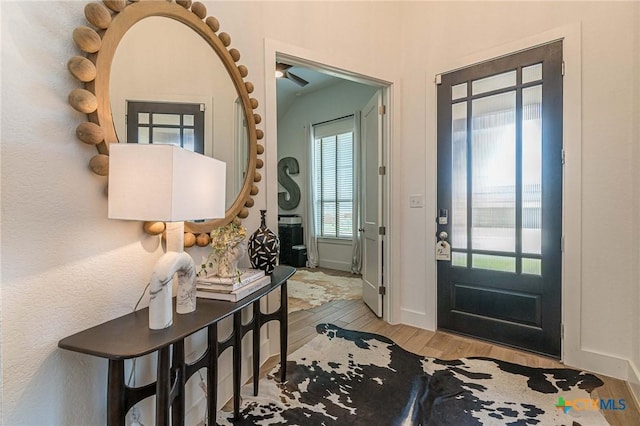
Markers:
355,315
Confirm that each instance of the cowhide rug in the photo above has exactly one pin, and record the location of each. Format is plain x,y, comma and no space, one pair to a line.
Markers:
308,289
347,377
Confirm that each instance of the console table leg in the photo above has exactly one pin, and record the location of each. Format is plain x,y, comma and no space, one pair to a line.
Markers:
179,368
284,331
256,346
212,374
116,410
237,362
163,387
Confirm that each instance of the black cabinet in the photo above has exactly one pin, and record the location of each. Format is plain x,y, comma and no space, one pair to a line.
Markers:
290,235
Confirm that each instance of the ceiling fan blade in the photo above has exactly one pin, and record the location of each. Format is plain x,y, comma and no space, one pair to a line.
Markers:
298,80
282,67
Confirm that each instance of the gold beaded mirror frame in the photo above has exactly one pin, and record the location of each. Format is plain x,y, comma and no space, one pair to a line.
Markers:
109,21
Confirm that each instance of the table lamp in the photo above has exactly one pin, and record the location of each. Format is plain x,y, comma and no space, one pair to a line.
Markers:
170,184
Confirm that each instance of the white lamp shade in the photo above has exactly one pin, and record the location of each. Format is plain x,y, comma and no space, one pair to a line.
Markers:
164,183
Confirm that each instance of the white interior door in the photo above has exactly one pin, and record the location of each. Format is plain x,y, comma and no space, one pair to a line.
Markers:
371,204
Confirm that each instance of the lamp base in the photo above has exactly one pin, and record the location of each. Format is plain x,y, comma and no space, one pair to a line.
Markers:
160,307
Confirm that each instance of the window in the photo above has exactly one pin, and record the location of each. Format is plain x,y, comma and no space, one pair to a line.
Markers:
180,124
333,178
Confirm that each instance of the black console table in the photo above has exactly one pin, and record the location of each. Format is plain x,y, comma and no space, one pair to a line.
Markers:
129,337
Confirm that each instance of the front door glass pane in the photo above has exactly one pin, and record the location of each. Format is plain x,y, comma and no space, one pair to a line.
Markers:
494,263
532,170
531,266
188,139
459,91
143,135
532,73
166,119
458,259
458,214
493,157
166,136
495,82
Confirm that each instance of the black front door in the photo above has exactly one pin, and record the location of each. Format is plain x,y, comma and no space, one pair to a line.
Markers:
500,199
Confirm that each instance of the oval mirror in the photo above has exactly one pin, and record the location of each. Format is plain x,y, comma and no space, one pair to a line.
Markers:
122,34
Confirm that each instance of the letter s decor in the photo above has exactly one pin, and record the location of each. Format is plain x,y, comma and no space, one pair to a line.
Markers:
289,184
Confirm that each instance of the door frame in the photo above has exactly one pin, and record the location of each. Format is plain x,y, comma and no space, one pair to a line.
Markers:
277,50
573,352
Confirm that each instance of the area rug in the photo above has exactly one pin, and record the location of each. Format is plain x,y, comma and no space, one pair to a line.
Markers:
347,377
308,289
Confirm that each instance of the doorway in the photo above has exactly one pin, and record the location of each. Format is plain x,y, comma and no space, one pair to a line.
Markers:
322,111
500,199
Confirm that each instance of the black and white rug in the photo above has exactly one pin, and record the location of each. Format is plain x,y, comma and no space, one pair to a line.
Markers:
347,377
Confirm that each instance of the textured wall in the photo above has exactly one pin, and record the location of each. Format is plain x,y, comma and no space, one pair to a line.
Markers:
66,267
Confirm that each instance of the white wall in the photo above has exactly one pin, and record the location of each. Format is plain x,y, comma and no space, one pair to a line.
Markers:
336,101
66,267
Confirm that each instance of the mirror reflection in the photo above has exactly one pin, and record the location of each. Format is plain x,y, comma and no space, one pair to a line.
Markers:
169,86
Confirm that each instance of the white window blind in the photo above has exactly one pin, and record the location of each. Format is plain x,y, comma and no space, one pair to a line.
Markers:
333,174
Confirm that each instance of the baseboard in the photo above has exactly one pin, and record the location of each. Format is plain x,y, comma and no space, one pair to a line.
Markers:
415,319
608,365
332,264
195,414
598,362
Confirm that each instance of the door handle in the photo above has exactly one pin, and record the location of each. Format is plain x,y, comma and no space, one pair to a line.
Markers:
361,229
443,235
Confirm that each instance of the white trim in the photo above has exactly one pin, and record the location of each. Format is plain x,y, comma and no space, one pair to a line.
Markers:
334,264
413,318
296,55
601,363
335,241
392,133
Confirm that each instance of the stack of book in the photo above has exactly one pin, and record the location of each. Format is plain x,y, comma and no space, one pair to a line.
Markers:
232,289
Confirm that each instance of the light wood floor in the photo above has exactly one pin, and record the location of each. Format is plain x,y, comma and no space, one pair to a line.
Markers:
355,315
